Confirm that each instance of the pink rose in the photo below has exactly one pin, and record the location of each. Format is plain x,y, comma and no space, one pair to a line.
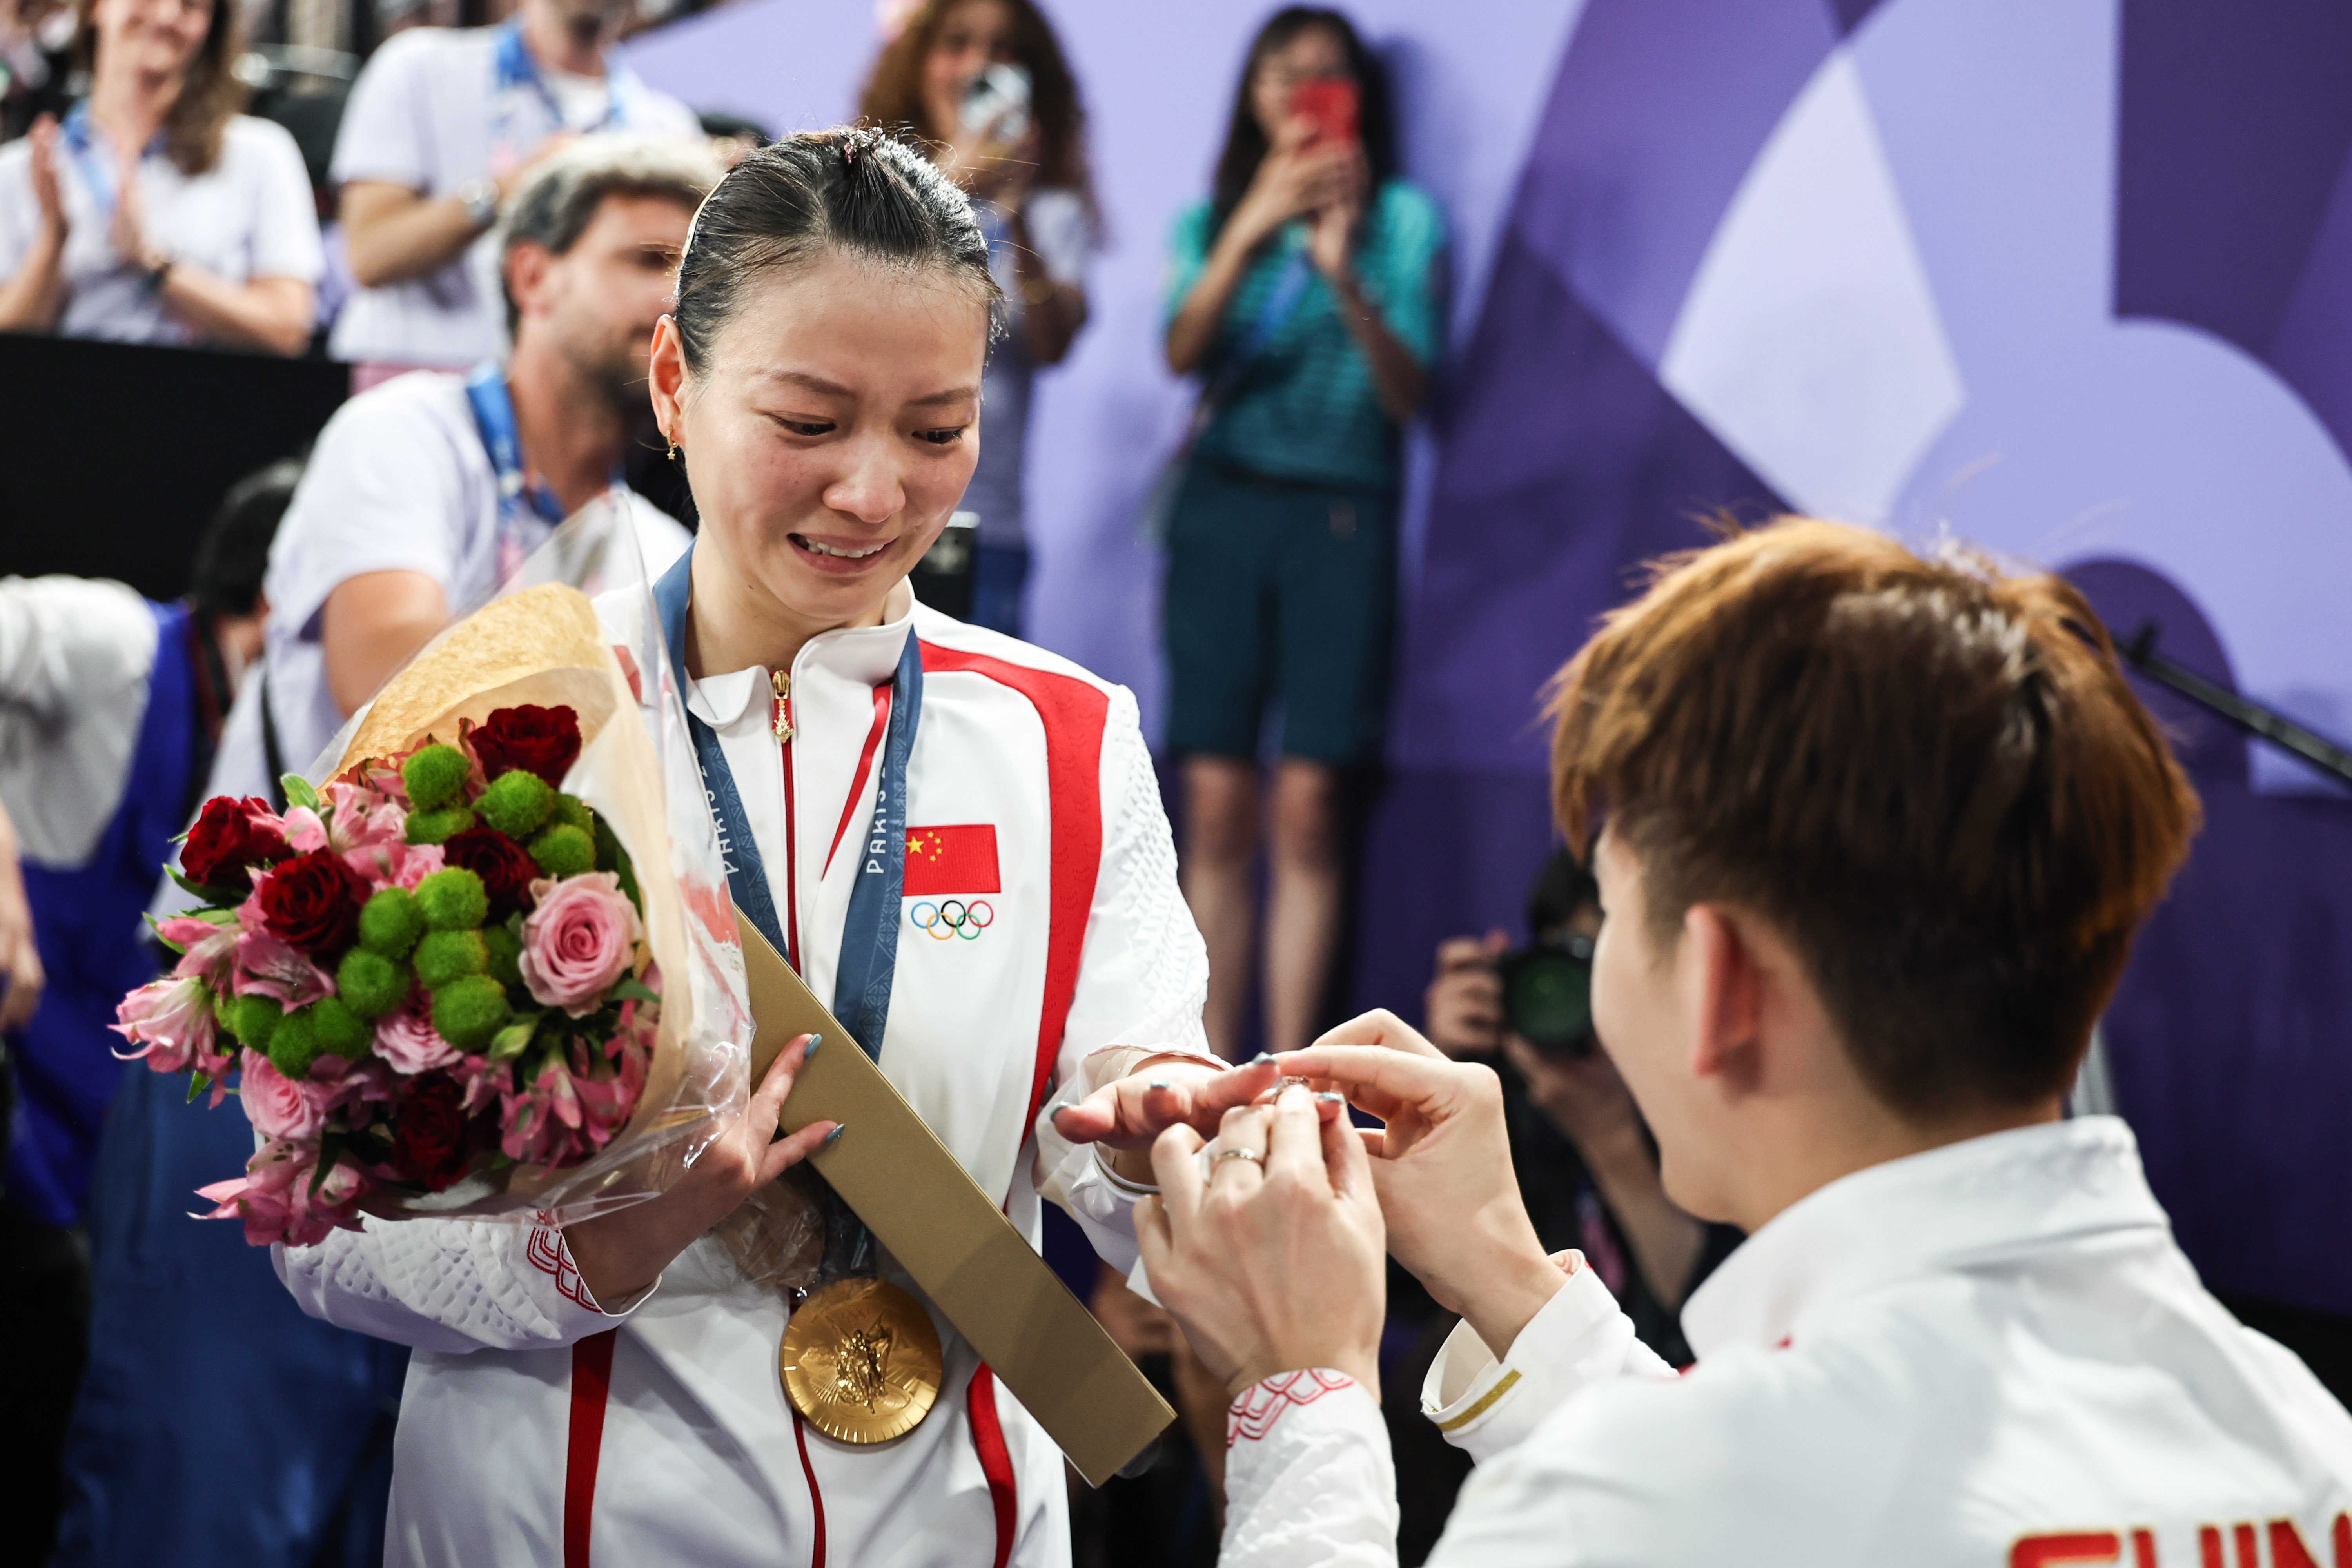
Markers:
406,1039
578,941
277,1106
171,1022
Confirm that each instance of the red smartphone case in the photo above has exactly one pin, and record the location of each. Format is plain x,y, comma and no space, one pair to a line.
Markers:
1331,105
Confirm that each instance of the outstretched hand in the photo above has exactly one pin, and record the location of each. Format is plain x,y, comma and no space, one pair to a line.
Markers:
1272,1260
1442,1165
1130,1112
621,1253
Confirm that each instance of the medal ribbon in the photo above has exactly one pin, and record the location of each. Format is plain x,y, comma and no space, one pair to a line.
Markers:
869,936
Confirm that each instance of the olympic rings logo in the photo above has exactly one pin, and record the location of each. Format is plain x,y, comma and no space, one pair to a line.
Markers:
952,918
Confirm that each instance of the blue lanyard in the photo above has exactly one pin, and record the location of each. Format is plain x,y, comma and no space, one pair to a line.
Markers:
494,417
518,70
869,936
81,139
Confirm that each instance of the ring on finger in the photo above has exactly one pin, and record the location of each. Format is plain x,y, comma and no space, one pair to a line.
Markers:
1225,1154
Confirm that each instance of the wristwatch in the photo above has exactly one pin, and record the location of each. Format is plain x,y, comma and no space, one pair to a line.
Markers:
480,196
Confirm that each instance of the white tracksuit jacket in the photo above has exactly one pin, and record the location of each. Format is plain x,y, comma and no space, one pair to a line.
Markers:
699,1459
1991,1356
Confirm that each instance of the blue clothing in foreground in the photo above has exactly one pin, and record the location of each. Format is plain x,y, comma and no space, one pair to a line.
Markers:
217,1427
1305,407
87,920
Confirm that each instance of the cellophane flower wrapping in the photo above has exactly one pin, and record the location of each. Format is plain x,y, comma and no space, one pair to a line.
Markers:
484,963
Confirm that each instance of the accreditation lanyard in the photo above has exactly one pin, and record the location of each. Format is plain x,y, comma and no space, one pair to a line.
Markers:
517,74
494,418
869,936
81,139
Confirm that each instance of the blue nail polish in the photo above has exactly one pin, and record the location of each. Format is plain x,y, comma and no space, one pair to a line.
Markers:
834,1136
1330,1098
814,1041
1156,1083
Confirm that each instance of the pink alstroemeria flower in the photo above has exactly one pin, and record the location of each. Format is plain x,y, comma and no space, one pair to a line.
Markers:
540,1123
171,1021
207,948
275,1201
269,966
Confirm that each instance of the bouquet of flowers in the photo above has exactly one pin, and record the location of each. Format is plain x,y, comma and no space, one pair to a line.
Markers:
436,977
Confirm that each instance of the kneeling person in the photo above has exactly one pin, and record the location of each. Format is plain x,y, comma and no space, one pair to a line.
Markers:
1875,837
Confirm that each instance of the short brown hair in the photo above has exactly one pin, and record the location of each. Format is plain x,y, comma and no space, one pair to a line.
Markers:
1932,777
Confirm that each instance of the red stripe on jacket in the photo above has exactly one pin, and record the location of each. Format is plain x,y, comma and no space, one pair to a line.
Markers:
1072,711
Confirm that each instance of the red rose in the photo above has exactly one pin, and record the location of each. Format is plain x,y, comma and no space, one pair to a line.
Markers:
428,1135
231,836
506,870
313,901
543,740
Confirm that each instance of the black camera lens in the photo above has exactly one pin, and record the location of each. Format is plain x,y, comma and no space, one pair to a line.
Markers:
1548,995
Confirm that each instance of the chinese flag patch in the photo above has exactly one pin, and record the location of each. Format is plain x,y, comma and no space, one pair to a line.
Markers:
951,861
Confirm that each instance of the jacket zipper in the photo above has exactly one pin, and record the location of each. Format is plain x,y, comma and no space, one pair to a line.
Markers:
781,721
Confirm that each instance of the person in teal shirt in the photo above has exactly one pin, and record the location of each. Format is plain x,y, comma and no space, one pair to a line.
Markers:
1305,294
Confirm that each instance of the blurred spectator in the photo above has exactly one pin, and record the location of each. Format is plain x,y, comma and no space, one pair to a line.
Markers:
425,493
110,704
442,129
1586,1165
1304,291
732,138
156,212
986,83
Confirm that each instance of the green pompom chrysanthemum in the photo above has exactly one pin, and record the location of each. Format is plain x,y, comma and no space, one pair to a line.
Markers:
294,1044
433,777
571,811
517,804
506,953
564,851
390,923
370,983
253,1019
338,1028
453,899
447,956
467,1012
437,826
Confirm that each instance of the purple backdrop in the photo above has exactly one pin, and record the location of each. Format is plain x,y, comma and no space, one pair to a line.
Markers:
2068,282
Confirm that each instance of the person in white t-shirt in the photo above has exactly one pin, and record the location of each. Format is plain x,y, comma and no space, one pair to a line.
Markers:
410,512
156,212
1875,835
1019,146
443,127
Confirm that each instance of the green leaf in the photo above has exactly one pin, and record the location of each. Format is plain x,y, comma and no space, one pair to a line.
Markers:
299,791
229,896
331,1149
632,989
197,1084
611,857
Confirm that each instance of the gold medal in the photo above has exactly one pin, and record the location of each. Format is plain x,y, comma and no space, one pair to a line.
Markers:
861,1360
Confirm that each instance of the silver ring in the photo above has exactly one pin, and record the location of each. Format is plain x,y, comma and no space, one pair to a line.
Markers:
1225,1154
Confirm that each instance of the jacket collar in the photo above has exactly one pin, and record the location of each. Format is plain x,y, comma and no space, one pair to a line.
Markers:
867,654
2006,1196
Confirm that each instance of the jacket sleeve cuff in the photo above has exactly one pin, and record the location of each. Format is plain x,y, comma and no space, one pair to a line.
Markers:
1485,1406
553,1279
1308,1478
1076,1177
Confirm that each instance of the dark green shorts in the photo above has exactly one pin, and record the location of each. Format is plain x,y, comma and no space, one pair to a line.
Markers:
1280,592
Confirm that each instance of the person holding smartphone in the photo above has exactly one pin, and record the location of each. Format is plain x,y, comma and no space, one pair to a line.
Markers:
986,83
1304,293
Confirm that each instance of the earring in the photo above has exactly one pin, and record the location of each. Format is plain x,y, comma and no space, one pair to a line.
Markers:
673,451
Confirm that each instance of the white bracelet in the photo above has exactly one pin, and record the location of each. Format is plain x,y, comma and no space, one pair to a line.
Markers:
1132,1189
